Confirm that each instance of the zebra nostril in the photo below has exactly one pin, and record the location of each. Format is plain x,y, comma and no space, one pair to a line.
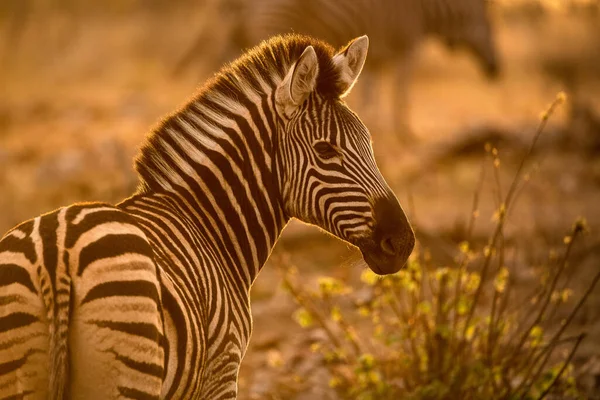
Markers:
389,246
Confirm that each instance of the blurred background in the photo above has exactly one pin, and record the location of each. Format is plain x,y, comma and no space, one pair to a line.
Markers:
82,82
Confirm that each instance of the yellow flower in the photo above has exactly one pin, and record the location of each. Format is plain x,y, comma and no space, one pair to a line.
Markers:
501,280
369,277
331,286
336,314
335,382
303,317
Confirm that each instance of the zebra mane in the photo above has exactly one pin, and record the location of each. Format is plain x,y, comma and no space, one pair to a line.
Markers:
256,72
274,57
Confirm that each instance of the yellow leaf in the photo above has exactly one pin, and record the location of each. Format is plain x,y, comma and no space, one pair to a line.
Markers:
470,332
566,294
424,307
303,317
536,335
471,281
487,251
374,377
369,277
501,280
462,305
336,314
331,286
441,272
376,318
335,382
367,360
464,247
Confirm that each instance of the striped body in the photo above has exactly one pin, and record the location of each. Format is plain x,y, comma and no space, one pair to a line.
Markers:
83,277
108,281
149,299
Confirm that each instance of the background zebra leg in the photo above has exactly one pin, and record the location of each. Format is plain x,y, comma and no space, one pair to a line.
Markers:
398,101
368,100
383,99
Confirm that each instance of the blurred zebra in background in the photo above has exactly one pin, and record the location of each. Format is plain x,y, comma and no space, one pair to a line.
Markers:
150,299
396,28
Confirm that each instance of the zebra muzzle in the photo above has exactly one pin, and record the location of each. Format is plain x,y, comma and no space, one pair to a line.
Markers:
390,254
392,241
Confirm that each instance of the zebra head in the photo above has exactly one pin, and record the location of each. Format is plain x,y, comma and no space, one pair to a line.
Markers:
325,163
477,37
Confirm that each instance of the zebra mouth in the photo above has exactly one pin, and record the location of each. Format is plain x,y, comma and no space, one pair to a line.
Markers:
388,254
382,264
373,263
392,239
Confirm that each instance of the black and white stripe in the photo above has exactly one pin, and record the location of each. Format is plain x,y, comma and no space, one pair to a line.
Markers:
149,299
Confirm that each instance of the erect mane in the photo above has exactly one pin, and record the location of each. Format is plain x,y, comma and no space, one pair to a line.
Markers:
237,82
274,57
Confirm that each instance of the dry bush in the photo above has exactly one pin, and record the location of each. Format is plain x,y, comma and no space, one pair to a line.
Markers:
463,331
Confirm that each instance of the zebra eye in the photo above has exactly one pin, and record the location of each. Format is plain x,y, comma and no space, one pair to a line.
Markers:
325,150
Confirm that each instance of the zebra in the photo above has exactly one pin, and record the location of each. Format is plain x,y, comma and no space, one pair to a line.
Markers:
396,28
149,298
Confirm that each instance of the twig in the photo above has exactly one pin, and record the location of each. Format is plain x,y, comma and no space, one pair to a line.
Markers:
465,256
556,337
548,296
567,361
302,301
507,202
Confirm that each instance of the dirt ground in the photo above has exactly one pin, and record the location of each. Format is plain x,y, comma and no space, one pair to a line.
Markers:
80,90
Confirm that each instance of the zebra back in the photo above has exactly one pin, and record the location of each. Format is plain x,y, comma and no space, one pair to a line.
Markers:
396,27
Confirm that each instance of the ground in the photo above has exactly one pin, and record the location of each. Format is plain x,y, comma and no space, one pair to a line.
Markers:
80,92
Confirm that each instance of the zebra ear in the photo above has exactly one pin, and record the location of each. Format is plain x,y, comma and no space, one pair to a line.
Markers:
299,82
350,62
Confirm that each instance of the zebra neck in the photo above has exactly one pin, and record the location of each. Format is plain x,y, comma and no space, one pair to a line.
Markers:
216,160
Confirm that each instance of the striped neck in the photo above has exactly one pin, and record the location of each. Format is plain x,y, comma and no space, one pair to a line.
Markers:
217,155
219,151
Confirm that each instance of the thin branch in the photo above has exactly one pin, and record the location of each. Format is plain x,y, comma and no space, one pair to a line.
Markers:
507,202
567,361
548,296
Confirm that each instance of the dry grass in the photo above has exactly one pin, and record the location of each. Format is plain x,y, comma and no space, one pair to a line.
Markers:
431,332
